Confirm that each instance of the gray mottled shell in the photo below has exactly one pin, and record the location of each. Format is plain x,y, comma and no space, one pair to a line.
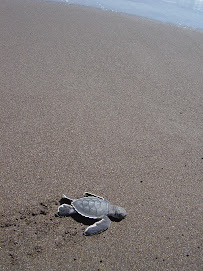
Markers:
91,207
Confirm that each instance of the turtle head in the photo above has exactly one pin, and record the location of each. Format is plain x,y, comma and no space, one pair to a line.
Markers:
118,212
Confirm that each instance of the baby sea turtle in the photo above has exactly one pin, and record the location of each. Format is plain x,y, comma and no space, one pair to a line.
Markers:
95,207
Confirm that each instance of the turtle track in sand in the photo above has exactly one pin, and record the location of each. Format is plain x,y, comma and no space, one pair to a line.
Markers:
30,234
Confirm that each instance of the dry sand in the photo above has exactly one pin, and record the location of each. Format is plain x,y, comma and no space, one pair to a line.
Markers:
107,103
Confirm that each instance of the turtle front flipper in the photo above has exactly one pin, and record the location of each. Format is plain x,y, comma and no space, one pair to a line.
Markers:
87,194
98,226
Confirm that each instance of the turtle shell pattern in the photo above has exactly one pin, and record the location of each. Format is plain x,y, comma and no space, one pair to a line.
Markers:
91,207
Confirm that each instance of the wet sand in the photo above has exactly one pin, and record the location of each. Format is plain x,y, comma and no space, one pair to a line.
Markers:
106,103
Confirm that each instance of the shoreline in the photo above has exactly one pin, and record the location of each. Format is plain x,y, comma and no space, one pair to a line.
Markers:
130,14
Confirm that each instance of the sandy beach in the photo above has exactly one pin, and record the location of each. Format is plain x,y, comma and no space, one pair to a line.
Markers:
108,103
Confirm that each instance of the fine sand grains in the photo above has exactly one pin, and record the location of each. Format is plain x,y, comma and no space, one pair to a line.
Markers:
108,103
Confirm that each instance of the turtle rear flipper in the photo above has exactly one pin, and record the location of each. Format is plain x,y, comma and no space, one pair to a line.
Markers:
66,200
65,197
66,210
98,226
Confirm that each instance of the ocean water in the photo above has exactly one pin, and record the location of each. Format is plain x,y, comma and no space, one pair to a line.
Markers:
185,13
